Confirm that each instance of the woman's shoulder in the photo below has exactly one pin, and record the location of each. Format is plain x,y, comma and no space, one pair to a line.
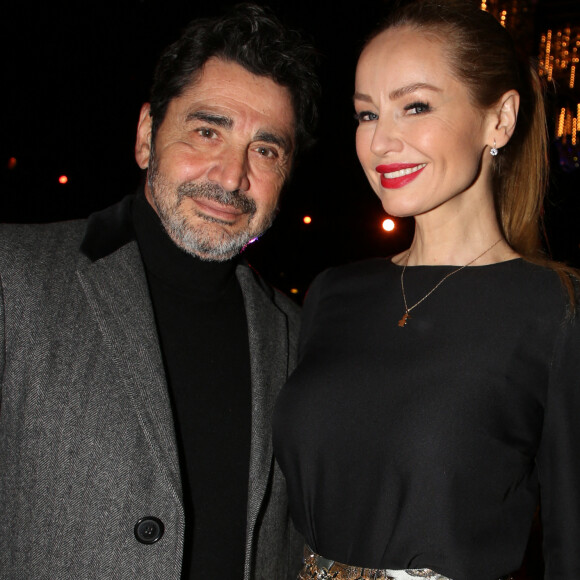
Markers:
349,278
354,270
546,288
544,277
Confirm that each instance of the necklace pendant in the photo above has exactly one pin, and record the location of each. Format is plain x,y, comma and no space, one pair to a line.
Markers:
404,319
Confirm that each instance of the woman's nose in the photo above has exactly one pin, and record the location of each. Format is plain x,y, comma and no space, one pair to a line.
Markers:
385,138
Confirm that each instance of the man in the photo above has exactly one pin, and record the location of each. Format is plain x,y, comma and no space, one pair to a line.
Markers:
140,358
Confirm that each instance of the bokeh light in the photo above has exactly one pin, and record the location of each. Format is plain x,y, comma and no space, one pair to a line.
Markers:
388,225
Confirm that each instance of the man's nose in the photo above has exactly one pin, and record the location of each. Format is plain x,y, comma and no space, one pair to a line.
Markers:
230,170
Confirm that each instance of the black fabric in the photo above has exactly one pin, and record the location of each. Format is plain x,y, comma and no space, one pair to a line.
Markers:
109,229
203,334
426,446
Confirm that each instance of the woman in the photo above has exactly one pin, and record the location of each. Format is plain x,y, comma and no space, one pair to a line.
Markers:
438,391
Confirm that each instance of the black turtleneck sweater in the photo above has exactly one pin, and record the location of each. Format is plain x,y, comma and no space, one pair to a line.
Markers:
202,328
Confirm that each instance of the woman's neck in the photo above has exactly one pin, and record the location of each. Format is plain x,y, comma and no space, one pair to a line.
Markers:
457,240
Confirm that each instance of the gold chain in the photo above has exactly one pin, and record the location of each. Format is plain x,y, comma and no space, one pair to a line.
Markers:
406,315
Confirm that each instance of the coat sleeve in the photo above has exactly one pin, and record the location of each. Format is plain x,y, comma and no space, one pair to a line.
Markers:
559,459
2,341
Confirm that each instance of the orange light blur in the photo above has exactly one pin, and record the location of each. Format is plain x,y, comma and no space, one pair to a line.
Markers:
294,290
307,219
388,225
63,179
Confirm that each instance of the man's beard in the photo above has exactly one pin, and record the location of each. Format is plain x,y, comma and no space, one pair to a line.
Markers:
207,241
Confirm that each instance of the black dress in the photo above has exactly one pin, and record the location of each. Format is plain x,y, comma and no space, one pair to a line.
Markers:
426,446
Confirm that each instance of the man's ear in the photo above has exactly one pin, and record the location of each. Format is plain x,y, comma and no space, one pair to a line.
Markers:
505,117
143,141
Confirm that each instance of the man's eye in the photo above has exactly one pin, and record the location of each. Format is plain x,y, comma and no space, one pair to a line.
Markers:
267,152
365,116
417,108
207,133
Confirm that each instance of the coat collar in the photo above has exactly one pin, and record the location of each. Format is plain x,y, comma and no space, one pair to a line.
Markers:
108,230
269,364
116,287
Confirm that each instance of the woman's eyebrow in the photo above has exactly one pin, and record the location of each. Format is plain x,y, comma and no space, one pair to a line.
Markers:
408,89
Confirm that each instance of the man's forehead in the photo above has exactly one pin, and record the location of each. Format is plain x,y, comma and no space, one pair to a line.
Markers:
225,75
226,94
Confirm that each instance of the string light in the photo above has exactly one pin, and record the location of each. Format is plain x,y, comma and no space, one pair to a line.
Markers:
559,55
561,120
503,17
558,60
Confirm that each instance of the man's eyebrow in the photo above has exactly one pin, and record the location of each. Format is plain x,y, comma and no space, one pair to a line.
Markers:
223,121
279,140
211,118
398,93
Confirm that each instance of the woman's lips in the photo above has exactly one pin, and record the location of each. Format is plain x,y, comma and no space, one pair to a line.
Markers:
397,175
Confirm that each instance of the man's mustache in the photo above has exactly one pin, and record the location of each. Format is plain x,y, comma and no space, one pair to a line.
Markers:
214,192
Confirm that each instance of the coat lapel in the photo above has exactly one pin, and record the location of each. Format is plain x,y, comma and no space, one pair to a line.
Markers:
268,338
116,288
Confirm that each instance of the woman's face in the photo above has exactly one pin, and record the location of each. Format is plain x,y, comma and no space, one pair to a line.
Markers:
420,140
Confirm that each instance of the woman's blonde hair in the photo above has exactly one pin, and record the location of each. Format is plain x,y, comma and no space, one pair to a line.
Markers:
483,56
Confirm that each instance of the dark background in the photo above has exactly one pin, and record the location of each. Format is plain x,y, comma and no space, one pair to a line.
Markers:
74,76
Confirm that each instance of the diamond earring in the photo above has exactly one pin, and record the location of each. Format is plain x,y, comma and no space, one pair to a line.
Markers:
493,150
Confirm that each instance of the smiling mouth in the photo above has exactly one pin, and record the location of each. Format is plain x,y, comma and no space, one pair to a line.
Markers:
217,212
397,175
403,172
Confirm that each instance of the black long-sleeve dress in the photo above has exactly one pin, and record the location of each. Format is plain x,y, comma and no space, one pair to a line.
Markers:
427,446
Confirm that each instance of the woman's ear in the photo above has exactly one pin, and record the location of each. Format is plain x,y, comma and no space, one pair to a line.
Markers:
143,141
505,117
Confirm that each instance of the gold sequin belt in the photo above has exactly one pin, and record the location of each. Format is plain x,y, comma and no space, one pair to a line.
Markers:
319,568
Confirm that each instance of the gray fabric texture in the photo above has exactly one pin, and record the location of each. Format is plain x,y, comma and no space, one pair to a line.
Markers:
87,444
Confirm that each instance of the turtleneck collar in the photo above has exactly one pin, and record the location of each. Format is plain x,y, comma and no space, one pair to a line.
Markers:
170,264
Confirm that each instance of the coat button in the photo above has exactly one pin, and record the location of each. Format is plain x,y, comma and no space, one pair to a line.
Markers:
149,530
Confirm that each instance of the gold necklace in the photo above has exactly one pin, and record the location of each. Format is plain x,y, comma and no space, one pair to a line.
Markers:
406,315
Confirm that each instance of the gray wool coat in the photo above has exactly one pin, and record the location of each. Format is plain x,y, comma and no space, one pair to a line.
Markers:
87,444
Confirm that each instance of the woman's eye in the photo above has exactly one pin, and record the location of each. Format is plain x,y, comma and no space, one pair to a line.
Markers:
365,116
417,108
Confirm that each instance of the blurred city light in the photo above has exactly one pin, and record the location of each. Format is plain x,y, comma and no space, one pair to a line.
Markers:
388,225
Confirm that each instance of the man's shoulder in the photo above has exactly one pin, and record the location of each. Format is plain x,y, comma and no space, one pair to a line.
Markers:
35,243
38,245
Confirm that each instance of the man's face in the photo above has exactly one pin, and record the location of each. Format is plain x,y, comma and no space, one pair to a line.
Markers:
219,160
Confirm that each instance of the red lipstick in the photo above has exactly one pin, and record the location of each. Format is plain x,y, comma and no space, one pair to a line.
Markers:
395,175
